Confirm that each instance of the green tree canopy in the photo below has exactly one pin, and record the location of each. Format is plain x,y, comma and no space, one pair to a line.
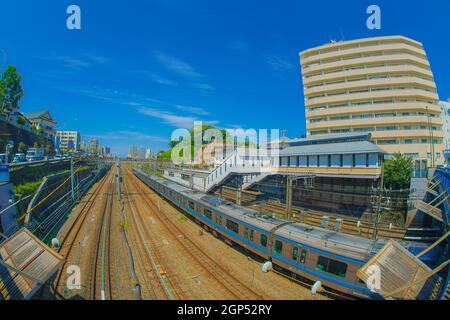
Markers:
397,172
10,89
22,147
2,94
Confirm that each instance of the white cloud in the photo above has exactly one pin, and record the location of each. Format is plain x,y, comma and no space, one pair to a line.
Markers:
203,86
279,64
178,66
128,135
159,79
76,63
172,119
193,110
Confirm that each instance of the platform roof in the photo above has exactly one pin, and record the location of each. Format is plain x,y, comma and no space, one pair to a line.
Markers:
332,148
26,264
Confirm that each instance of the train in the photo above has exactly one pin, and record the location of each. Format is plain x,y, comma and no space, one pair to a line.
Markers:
299,250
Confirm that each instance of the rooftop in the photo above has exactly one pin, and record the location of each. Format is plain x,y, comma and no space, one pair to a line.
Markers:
332,148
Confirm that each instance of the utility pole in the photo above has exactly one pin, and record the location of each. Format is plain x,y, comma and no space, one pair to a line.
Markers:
72,179
430,129
377,217
239,190
288,197
118,179
191,178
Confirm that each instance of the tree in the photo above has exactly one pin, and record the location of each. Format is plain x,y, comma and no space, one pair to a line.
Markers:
48,149
2,94
12,89
21,121
397,172
22,147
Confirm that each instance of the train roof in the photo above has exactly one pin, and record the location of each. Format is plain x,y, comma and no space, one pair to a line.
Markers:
358,248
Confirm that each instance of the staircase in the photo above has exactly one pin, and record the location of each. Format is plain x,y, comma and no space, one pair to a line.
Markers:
249,181
446,295
237,164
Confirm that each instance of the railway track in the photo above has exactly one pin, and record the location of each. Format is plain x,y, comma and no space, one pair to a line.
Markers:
167,285
72,235
236,288
101,281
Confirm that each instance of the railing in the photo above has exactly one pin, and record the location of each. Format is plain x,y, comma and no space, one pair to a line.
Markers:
237,164
444,185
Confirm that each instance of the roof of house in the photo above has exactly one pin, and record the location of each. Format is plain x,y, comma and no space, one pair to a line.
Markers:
43,114
333,148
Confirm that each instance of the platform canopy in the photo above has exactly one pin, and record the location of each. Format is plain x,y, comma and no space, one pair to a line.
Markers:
398,268
26,263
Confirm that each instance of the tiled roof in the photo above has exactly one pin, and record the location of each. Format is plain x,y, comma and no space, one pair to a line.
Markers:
39,114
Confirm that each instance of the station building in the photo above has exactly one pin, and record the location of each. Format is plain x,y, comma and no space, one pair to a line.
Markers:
344,173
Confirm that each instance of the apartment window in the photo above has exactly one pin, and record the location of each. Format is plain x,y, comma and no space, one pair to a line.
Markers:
331,266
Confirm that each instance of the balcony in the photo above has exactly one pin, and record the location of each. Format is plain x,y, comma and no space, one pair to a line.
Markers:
393,58
380,121
366,71
372,108
373,95
362,50
393,81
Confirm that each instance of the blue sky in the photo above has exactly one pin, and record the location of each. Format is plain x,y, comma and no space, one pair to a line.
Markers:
140,69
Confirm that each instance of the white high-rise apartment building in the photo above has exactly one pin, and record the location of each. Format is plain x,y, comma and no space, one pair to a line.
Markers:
69,140
381,85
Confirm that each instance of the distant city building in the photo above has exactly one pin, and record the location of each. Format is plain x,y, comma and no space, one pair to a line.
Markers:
93,146
135,152
381,85
106,151
57,143
445,117
83,147
69,140
148,154
42,121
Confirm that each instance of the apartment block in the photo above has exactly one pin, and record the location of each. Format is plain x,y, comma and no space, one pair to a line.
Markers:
381,85
69,140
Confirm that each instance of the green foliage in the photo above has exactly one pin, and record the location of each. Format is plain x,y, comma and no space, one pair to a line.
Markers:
226,138
48,149
2,94
21,121
164,155
397,172
27,188
22,147
11,91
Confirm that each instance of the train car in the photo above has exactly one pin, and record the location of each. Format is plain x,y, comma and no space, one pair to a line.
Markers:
300,250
